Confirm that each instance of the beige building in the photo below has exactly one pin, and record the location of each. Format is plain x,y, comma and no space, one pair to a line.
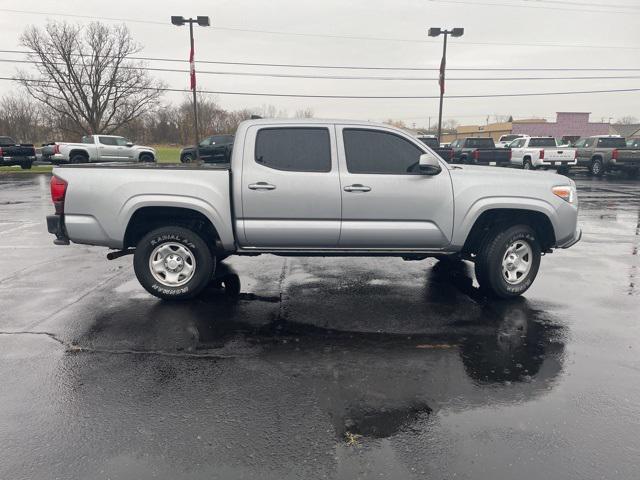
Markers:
493,130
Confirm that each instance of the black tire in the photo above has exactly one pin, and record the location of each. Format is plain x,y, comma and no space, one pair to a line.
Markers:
633,173
79,158
187,158
146,158
200,257
527,165
597,167
26,165
492,252
563,170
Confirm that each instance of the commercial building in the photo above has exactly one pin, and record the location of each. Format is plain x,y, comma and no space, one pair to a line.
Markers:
569,126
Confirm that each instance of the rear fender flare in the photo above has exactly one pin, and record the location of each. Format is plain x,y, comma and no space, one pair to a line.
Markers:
177,201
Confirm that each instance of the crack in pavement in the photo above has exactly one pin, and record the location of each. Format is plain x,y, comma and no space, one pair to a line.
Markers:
74,348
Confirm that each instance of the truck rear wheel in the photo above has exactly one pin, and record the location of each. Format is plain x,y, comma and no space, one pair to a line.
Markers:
173,263
597,167
527,165
508,260
79,158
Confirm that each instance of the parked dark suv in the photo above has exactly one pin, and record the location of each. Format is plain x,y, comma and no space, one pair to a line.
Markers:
214,149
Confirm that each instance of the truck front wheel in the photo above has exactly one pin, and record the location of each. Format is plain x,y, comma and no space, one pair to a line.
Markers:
508,260
173,263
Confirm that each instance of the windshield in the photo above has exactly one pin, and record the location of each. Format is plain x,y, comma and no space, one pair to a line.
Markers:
121,141
6,141
480,143
508,138
612,142
431,142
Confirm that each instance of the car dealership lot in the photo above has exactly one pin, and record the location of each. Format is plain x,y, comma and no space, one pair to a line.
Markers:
321,367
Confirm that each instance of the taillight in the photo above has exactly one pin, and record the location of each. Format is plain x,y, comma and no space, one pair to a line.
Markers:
56,149
1,153
58,191
575,154
476,155
451,154
541,154
510,155
614,154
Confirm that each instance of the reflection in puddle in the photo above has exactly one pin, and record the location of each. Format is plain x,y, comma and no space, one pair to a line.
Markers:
382,423
378,358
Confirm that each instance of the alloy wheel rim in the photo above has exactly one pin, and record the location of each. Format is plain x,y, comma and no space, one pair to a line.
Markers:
516,262
172,264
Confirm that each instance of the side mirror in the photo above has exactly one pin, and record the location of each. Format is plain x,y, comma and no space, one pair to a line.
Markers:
429,164
129,144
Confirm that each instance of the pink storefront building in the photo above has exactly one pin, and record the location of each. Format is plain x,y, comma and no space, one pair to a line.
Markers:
568,126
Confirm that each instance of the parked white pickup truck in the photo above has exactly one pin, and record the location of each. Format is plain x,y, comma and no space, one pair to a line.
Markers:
315,188
531,153
98,148
505,140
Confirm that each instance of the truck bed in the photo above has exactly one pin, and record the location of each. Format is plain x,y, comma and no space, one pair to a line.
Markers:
149,166
101,199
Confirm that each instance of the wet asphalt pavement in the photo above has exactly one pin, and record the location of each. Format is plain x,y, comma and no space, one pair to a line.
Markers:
321,368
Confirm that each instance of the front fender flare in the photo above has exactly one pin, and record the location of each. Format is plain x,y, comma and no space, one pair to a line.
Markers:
464,226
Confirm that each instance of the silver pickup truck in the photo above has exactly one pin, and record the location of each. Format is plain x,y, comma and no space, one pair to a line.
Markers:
315,188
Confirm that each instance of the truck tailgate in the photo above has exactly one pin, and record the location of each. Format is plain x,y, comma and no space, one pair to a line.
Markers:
101,198
628,157
495,156
559,155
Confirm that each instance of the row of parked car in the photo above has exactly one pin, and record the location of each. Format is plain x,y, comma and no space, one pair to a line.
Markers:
107,148
599,154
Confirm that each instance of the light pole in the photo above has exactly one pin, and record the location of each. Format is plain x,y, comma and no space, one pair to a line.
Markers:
436,32
203,22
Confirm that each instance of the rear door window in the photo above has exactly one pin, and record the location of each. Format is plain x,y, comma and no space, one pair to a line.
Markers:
378,152
480,143
294,149
107,140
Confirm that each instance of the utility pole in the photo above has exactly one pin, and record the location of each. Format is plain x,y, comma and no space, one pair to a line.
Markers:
203,21
436,32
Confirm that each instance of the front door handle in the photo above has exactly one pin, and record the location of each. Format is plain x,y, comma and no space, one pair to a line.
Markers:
357,188
261,186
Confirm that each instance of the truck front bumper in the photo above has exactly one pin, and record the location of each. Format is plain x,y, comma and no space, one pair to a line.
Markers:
573,240
55,225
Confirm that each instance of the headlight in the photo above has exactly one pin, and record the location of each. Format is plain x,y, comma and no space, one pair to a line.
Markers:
567,193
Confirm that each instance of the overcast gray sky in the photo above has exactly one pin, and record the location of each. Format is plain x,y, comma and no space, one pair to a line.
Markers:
499,33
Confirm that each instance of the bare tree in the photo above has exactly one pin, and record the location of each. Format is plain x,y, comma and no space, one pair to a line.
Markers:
450,125
22,119
304,113
86,77
396,123
628,120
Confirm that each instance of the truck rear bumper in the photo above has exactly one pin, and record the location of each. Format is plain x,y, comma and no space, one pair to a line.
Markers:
557,163
55,225
17,160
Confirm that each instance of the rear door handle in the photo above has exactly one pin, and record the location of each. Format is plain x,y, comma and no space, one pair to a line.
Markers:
261,186
357,188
